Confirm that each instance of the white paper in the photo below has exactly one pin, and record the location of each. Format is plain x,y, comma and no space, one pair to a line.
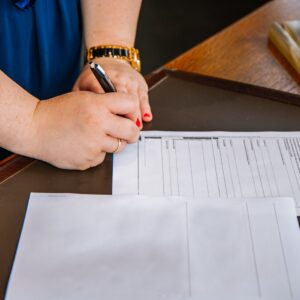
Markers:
211,164
137,247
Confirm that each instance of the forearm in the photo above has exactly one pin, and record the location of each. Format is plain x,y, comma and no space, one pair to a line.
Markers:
16,115
110,21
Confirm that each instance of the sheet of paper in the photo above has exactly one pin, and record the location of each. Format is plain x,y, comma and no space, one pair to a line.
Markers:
137,247
211,164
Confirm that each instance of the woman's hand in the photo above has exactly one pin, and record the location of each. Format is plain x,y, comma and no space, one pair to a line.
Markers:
125,79
76,130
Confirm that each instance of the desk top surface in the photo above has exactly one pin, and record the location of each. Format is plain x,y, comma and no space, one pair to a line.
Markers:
243,53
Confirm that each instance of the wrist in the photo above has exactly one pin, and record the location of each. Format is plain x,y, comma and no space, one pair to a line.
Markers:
22,138
102,61
29,139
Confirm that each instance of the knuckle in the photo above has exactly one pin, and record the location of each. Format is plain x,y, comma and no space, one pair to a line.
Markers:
135,100
144,97
144,86
133,103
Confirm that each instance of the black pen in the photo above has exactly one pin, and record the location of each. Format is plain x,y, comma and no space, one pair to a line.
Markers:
102,78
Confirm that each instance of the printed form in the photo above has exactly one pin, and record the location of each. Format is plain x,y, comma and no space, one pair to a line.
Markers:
211,165
137,247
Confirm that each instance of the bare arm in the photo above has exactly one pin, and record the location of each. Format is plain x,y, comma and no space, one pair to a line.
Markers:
110,22
16,113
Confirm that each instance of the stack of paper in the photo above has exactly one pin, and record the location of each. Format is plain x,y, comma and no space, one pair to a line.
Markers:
137,247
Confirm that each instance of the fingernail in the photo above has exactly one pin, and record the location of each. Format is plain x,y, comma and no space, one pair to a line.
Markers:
138,122
146,115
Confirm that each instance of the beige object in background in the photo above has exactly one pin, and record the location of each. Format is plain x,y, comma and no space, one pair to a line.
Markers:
286,37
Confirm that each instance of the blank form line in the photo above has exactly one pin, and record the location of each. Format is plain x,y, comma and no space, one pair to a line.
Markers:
205,168
265,168
297,143
292,167
251,167
177,173
237,171
258,169
286,168
273,171
170,170
253,251
214,156
291,155
191,168
230,170
162,166
188,249
296,156
222,163
283,251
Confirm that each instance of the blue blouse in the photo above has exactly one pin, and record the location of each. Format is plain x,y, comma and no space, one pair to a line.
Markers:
40,45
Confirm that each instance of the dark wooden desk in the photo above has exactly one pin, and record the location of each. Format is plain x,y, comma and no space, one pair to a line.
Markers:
242,52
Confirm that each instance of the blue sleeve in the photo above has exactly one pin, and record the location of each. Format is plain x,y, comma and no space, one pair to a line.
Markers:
41,46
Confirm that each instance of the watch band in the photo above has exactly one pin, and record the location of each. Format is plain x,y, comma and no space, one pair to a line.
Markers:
129,54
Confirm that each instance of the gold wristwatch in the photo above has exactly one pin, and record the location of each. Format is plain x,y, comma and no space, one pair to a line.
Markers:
132,55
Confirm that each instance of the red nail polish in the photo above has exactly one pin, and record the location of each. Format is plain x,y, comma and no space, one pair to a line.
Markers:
146,115
138,122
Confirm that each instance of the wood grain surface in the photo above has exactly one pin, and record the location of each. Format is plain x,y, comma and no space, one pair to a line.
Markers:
243,53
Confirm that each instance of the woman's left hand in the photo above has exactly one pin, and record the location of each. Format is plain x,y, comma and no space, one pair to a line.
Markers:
124,78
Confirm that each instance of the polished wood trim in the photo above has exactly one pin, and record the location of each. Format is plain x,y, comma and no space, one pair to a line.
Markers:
7,159
243,53
12,165
235,86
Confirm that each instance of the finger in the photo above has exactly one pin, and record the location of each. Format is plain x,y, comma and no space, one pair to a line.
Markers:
145,106
132,88
113,145
121,103
136,118
122,128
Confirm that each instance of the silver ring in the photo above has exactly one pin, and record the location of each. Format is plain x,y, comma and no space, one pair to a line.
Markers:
118,146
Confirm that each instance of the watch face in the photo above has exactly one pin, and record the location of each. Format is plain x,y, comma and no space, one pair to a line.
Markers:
23,4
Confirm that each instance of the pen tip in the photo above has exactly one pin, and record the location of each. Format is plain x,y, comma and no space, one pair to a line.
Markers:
92,64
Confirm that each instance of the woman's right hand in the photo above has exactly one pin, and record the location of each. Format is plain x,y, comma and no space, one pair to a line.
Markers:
76,130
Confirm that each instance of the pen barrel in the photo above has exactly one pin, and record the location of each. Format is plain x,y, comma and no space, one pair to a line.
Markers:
104,82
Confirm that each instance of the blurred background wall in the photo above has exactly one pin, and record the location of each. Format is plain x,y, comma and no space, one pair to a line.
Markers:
169,27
